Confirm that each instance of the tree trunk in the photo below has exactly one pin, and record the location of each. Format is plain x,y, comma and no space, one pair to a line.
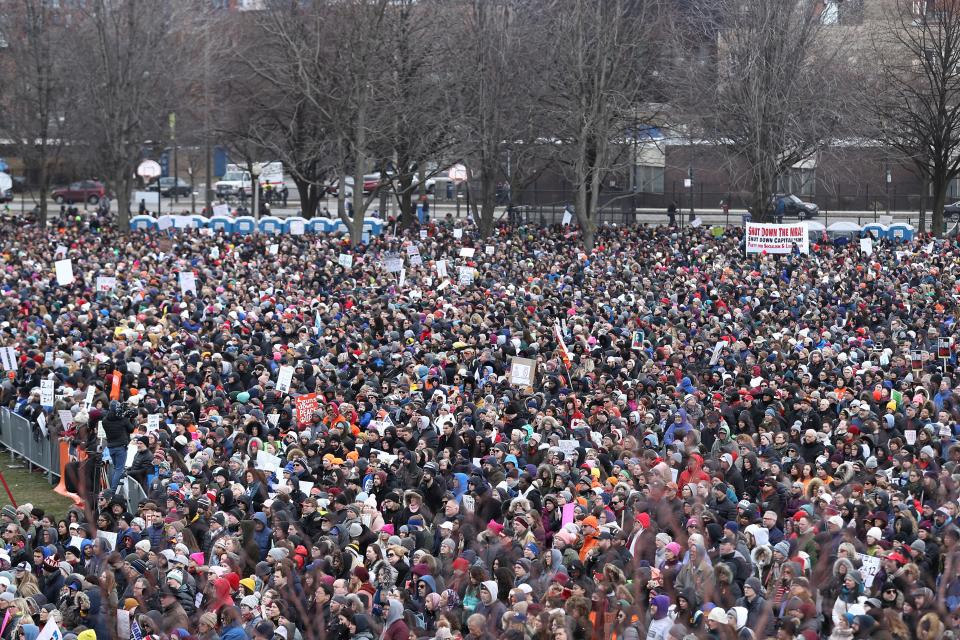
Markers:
123,201
44,189
309,197
939,199
408,210
924,189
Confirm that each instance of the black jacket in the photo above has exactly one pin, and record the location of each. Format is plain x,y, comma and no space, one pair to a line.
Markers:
118,430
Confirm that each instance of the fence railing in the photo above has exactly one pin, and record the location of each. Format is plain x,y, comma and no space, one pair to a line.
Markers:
17,436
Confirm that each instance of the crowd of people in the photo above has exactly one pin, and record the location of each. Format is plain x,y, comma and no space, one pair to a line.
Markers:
712,444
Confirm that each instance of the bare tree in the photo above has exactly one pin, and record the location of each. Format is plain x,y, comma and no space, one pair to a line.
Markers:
493,89
916,95
600,67
772,97
127,56
418,124
33,111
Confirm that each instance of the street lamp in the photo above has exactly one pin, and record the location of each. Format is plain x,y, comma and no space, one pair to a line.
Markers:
255,185
886,187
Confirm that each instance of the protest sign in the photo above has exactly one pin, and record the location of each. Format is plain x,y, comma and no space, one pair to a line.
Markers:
467,252
567,218
284,378
64,270
305,406
345,260
188,282
441,269
777,238
866,245
50,631
106,283
221,210
458,234
393,265
46,394
869,568
522,371
153,422
8,358
66,418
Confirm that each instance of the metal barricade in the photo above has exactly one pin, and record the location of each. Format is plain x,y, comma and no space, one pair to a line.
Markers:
16,434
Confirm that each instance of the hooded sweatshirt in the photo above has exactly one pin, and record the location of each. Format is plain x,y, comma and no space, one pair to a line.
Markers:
395,628
661,622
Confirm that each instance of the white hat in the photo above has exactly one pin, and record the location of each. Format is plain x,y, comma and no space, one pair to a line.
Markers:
875,533
718,614
836,521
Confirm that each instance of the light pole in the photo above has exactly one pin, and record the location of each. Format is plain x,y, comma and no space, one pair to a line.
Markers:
886,187
172,119
255,185
193,194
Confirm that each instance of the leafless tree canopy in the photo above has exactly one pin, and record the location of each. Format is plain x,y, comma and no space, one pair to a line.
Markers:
915,92
772,96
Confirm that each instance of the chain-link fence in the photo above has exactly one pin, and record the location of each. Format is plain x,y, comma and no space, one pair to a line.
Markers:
17,435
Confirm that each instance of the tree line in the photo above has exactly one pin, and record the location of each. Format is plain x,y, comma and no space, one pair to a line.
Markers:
339,89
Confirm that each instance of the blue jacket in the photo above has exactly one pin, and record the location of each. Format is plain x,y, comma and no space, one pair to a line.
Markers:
262,538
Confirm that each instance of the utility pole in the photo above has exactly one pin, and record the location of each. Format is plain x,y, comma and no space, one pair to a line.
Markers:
173,139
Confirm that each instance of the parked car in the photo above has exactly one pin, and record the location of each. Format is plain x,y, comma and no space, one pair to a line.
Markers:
952,210
793,207
167,189
89,191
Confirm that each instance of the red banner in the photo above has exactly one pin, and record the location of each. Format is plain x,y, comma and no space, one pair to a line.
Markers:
306,405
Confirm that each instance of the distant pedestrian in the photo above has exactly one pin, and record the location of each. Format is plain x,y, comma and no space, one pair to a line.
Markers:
672,214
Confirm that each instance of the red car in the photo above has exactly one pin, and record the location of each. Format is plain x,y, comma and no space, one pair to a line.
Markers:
89,191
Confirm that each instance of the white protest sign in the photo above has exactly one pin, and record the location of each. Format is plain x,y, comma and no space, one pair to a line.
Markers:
284,378
416,260
911,436
866,245
88,401
869,568
267,461
441,269
466,276
297,228
66,418
8,358
567,218
777,238
345,260
221,210
443,285
110,537
273,249
522,371
46,393
42,422
61,251
467,252
273,419
131,454
695,223
305,487
423,234
188,282
50,631
164,222
458,234
717,348
64,269
153,422
106,283
568,447
403,277
393,265
489,249
412,250
215,253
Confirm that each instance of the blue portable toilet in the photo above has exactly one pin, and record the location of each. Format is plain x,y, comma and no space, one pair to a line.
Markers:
375,225
901,232
293,221
200,222
143,223
877,230
244,224
221,223
271,225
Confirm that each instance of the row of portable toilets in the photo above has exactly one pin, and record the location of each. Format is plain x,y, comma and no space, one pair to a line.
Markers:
294,225
898,231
